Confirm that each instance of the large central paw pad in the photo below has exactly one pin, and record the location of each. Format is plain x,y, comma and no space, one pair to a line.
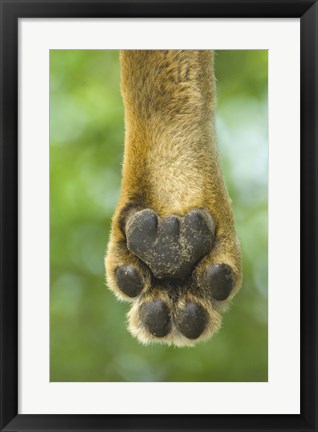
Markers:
170,246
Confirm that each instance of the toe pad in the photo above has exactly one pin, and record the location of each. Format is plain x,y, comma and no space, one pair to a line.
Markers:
219,280
129,280
192,320
156,317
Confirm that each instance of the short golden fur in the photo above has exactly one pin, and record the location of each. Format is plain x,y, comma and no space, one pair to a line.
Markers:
171,165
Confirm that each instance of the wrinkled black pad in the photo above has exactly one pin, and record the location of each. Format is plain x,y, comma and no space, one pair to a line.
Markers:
170,246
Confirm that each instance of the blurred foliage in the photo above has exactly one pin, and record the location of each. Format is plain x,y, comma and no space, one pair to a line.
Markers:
88,336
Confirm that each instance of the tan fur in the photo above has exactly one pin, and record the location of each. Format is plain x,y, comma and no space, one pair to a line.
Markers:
171,165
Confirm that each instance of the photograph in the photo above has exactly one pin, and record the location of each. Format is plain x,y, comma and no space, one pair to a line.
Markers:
159,211
158,215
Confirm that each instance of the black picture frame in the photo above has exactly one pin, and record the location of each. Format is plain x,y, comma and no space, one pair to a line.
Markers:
11,11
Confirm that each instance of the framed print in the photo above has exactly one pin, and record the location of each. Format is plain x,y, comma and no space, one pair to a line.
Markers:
163,154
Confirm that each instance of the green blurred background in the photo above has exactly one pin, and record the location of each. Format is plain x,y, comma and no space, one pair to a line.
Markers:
88,336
